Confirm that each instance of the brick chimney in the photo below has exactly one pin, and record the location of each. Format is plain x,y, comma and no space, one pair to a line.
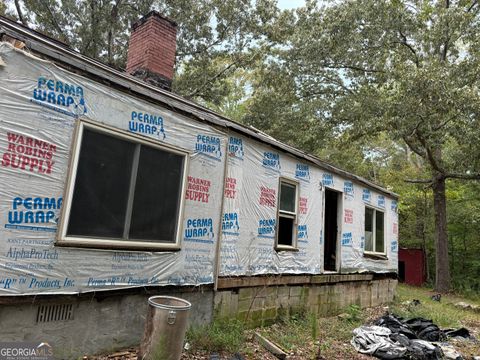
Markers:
151,50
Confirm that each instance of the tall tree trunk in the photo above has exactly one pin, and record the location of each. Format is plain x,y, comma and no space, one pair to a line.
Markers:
94,29
19,13
451,244
442,268
464,237
426,266
111,29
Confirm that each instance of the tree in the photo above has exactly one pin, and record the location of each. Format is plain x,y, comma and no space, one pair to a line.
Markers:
3,8
96,28
215,38
406,68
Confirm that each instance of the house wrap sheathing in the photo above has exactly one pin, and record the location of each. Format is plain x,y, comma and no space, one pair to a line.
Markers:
215,186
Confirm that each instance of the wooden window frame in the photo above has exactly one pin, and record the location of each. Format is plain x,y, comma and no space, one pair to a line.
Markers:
287,214
373,253
112,243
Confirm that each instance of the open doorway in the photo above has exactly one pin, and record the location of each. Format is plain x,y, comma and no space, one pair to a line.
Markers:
330,227
401,271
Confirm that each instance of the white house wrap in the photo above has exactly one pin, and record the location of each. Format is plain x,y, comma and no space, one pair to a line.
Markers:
230,193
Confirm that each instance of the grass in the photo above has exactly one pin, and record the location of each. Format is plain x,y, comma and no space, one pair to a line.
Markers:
221,335
302,328
443,313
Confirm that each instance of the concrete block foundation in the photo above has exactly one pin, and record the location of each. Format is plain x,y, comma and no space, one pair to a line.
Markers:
99,323
261,304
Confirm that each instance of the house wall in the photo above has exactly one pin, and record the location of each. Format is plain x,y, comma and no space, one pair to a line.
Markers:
251,201
32,263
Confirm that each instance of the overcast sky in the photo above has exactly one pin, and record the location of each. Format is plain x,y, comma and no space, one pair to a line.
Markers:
290,4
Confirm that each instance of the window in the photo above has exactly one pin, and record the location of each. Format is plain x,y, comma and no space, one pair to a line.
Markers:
287,215
124,192
374,231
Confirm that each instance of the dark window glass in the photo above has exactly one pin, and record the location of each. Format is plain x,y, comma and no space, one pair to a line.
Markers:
101,187
285,231
368,229
156,204
379,243
125,190
288,197
374,233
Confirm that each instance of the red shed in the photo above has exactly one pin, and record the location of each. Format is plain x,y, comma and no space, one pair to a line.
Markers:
411,266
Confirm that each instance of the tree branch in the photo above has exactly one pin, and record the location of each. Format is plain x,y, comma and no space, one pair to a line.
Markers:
216,76
418,181
443,124
431,158
20,14
404,41
463,176
472,6
221,37
413,147
334,82
56,25
351,67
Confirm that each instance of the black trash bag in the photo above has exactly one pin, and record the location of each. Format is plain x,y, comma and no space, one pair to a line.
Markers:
417,324
425,329
417,349
431,333
395,325
423,350
462,332
411,339
400,339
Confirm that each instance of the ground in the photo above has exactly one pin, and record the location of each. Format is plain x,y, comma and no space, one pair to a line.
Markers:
304,336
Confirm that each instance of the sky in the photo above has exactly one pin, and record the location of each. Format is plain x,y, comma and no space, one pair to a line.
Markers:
290,4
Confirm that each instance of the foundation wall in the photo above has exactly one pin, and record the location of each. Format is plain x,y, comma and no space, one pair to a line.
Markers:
262,305
97,325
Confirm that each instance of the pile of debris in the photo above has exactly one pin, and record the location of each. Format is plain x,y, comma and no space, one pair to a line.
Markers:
391,337
466,306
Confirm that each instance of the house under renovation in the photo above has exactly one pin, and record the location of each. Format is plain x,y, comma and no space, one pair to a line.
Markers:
115,189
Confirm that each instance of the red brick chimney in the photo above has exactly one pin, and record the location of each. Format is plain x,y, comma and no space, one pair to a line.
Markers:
151,50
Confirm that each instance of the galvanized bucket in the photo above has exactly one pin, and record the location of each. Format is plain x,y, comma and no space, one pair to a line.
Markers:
165,328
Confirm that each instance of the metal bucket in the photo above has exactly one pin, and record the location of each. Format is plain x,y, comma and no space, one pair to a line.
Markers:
165,328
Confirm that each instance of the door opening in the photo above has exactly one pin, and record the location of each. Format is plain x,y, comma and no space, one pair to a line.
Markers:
401,271
330,227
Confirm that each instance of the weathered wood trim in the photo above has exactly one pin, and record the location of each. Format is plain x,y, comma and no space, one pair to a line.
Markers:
103,294
272,280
